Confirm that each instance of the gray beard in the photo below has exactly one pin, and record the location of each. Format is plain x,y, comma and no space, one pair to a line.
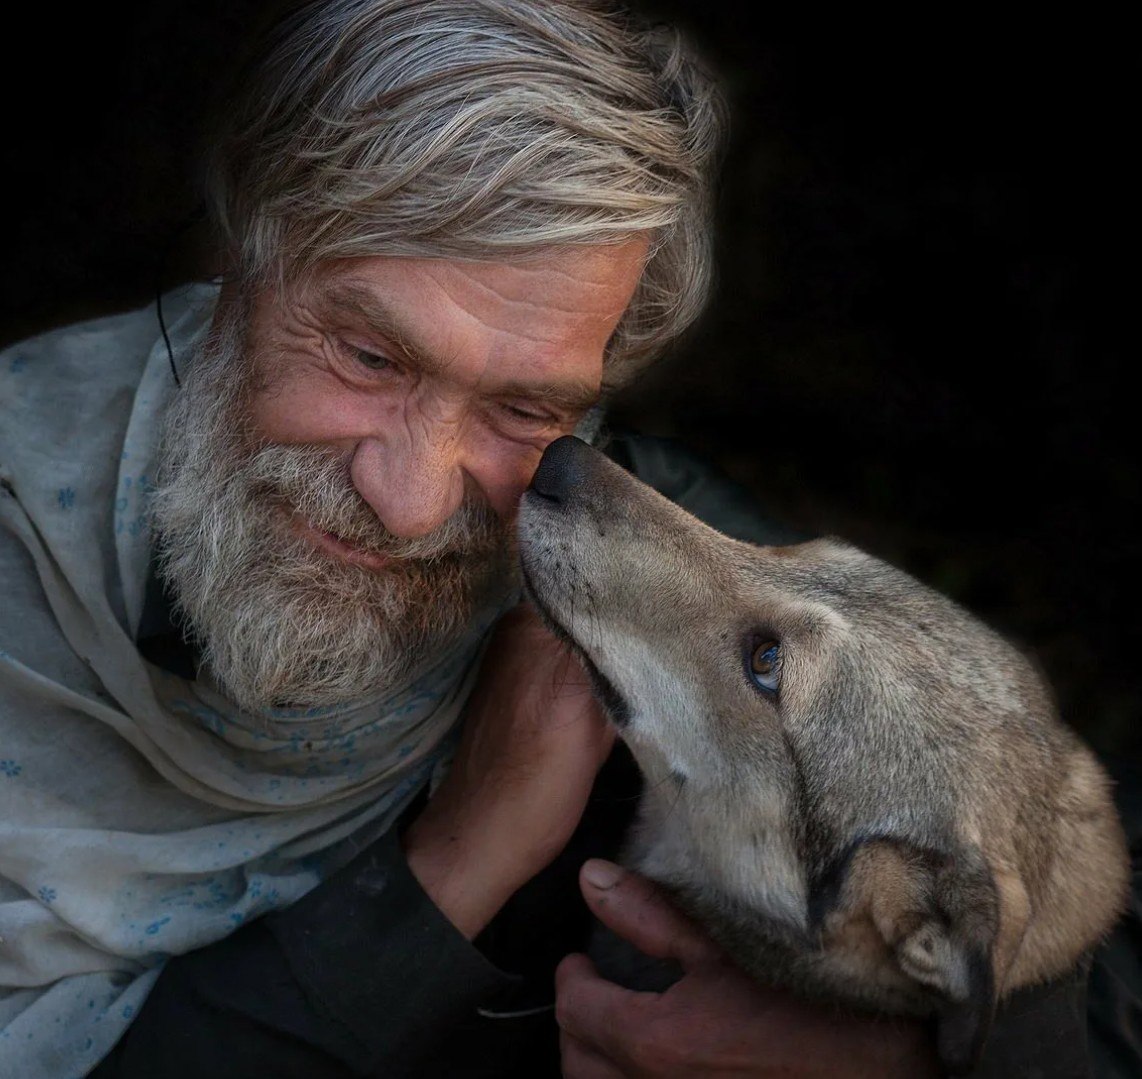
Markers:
280,622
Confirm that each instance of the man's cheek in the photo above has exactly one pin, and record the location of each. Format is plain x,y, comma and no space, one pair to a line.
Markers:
502,469
313,408
507,486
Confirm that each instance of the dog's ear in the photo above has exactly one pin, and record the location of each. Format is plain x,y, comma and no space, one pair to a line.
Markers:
967,905
938,916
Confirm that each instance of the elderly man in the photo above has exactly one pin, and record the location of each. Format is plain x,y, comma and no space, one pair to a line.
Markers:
252,565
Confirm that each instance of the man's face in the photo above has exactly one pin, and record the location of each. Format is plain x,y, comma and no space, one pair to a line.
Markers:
435,379
342,468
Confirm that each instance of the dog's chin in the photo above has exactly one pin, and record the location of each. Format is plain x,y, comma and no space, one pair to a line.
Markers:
613,702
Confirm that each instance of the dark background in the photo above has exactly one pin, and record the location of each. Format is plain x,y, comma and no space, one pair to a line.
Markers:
926,246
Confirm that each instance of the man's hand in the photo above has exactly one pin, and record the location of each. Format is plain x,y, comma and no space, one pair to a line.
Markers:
715,1020
533,741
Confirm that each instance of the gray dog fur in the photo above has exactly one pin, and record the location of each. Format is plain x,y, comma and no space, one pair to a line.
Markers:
904,825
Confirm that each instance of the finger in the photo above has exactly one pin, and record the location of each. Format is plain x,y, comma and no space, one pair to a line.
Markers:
596,1012
637,910
579,1061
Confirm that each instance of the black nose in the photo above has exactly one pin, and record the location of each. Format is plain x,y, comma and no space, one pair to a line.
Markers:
562,468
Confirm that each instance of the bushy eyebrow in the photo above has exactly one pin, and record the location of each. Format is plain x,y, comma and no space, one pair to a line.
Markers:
355,300
352,299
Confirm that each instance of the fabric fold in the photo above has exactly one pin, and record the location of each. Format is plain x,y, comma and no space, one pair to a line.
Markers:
141,814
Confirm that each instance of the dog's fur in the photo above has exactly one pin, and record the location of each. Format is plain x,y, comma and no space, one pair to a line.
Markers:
905,825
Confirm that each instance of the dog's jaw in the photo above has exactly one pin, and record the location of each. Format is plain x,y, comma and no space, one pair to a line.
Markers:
753,861
612,701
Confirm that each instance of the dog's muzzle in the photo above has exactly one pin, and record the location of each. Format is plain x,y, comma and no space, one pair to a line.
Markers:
562,485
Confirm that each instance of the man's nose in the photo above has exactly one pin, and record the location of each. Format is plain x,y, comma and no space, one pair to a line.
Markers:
413,484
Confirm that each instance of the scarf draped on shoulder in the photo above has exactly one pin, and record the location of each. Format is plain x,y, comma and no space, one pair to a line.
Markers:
141,814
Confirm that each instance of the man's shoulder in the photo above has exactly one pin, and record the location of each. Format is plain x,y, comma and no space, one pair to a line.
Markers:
73,370
107,349
138,326
58,385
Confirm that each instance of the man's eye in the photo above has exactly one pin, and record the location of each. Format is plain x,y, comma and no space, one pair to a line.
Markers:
371,360
521,414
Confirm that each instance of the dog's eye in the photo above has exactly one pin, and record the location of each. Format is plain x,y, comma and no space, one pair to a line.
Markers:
765,665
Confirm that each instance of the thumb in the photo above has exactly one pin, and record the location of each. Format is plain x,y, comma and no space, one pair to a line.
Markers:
638,910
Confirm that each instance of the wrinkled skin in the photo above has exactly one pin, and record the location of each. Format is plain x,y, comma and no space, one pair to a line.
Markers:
438,376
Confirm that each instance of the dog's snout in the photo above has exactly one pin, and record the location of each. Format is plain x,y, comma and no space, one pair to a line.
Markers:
564,465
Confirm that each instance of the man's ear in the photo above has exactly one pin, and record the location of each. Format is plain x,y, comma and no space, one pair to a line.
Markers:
938,916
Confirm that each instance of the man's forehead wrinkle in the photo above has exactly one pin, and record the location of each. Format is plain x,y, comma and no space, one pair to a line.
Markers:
602,281
573,391
547,304
357,298
547,361
556,387
573,320
516,332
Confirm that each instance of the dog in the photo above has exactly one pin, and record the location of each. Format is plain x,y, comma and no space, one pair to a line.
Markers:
862,792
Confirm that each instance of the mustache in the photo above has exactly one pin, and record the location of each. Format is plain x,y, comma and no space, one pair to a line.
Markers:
316,483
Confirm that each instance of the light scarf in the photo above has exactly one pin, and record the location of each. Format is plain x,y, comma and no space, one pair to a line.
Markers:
141,814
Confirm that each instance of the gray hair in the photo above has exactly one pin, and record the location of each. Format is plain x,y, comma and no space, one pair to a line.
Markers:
475,129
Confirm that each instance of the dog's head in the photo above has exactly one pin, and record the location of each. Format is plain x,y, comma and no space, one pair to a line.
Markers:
722,657
814,727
